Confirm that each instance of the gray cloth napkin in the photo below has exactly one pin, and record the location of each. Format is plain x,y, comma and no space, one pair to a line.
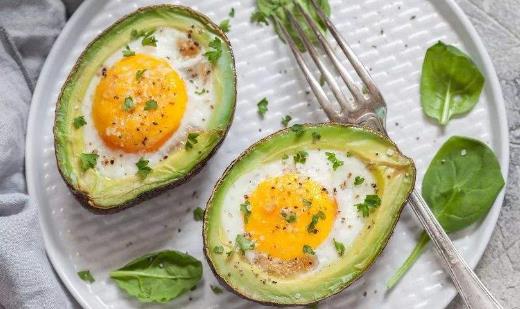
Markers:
27,31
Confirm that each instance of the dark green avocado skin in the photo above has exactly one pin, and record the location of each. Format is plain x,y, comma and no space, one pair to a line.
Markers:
83,197
208,246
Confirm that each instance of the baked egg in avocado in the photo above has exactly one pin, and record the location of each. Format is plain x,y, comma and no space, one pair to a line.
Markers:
304,212
145,106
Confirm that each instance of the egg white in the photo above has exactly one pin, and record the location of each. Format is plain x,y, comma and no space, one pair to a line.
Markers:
349,221
196,116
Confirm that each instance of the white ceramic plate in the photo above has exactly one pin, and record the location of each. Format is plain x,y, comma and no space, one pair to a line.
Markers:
390,37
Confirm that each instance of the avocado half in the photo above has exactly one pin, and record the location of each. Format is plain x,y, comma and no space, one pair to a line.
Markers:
105,195
395,177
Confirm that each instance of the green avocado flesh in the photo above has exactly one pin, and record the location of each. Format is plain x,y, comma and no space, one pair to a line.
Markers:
102,193
393,173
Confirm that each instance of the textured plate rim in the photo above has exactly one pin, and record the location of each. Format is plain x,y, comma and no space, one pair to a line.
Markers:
487,66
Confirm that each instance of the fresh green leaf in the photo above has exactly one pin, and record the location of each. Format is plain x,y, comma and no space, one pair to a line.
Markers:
358,180
149,39
139,74
88,160
86,276
127,52
192,140
300,157
202,91
243,243
245,209
311,228
308,250
262,106
315,136
332,159
215,51
159,277
285,120
340,247
307,203
451,83
142,168
231,12
78,122
259,18
460,186
198,214
218,249
224,25
297,129
216,289
150,105
289,216
371,202
128,104
135,34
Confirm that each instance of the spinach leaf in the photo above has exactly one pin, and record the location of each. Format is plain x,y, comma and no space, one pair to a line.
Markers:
159,277
450,83
275,9
460,186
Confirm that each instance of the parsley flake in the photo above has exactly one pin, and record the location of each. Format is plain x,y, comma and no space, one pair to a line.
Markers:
262,106
285,120
335,161
340,247
300,157
259,18
308,250
244,244
139,74
224,25
289,216
215,50
297,129
150,105
198,214
315,136
202,91
307,203
218,249
142,168
216,289
232,12
358,180
128,104
127,52
311,228
285,156
149,39
371,202
86,276
88,160
78,122
245,209
192,140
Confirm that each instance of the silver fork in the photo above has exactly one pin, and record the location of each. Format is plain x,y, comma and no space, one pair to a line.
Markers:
368,108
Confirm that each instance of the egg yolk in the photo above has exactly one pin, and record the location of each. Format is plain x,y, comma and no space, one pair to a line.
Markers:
139,103
288,212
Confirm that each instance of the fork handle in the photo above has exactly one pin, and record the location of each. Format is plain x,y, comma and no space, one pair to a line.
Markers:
469,286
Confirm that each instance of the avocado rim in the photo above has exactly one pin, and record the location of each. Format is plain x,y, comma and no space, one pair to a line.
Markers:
207,247
83,197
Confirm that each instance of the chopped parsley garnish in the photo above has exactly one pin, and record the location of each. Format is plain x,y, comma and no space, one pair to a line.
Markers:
232,12
139,74
88,160
297,129
86,276
244,244
358,180
307,203
289,216
78,122
245,209
142,168
149,39
315,136
128,104
224,25
262,106
332,159
198,214
259,17
285,156
201,92
216,289
150,105
127,52
215,51
135,34
192,140
371,202
311,228
218,249
285,120
308,250
300,157
340,247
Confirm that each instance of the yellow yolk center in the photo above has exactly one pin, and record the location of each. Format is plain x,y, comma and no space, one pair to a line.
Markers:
288,212
139,103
